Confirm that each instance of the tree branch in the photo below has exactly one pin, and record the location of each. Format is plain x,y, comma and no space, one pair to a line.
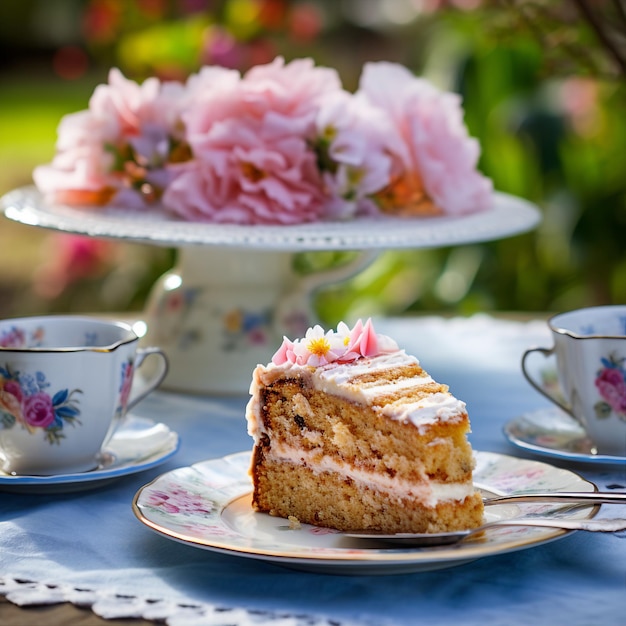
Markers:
601,34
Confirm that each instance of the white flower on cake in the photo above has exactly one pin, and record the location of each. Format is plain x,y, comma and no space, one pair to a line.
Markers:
318,348
282,144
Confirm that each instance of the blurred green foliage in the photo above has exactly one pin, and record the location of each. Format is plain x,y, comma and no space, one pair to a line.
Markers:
543,92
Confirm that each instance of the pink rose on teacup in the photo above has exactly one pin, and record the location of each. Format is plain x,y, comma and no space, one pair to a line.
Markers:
612,387
38,410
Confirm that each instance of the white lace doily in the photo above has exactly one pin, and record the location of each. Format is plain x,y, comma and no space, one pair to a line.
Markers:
115,606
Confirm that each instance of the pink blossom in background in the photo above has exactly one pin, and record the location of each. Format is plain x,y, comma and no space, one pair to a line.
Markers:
253,163
354,135
126,122
71,258
433,155
282,144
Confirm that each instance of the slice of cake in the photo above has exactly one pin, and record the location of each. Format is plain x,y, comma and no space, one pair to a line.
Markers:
351,433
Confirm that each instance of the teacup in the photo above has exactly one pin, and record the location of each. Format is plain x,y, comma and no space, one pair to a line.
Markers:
590,349
66,383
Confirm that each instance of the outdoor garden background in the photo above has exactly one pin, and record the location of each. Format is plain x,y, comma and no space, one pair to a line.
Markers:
543,86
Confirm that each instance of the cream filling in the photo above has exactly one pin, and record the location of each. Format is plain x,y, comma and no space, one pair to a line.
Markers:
429,492
434,408
373,389
342,373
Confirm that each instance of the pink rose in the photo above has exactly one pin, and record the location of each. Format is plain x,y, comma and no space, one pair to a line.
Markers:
612,387
251,140
352,137
434,159
119,150
38,410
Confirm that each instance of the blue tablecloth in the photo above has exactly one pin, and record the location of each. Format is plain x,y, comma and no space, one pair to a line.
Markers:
88,548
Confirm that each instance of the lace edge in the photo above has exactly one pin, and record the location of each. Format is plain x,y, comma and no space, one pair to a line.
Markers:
109,605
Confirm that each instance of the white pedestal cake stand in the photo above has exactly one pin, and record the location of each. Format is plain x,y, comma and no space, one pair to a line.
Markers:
233,293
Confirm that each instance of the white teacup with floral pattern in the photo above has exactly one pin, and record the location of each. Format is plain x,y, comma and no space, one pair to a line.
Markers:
65,386
590,349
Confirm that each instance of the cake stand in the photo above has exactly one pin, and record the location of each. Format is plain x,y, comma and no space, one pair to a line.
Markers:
233,293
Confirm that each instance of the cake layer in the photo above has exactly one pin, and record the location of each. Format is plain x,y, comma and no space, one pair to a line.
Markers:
332,500
363,437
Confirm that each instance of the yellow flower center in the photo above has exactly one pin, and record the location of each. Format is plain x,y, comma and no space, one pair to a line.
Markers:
319,346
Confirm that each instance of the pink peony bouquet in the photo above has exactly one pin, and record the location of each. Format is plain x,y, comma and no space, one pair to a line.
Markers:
283,143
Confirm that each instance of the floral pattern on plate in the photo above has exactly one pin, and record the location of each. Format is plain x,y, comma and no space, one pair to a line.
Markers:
208,505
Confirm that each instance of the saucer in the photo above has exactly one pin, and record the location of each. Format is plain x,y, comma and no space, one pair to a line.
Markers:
551,432
139,444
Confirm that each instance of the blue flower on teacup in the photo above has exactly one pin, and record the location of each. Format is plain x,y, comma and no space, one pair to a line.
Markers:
25,401
611,384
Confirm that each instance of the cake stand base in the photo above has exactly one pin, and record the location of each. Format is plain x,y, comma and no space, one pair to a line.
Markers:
221,311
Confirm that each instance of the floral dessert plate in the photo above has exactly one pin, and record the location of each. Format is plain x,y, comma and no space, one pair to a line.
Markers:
208,505
553,433
509,215
138,444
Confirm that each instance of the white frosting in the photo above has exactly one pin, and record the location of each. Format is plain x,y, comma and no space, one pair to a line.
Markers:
429,410
427,491
342,373
335,379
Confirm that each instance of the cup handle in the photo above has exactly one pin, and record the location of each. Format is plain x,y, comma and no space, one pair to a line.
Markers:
142,389
546,353
339,273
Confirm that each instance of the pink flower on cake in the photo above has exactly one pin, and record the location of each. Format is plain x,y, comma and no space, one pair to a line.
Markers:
344,345
364,341
316,348
434,159
117,151
253,159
